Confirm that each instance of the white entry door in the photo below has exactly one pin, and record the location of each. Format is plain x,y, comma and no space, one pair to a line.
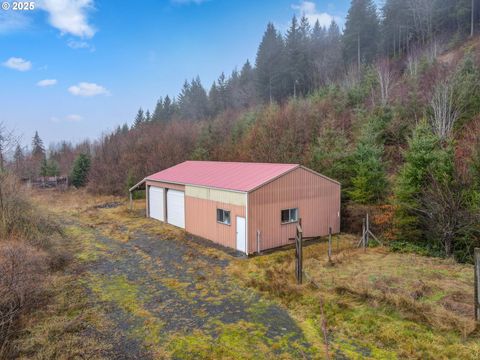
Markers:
155,201
176,208
241,235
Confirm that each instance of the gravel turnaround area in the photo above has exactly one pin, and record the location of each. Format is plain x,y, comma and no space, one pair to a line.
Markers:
166,297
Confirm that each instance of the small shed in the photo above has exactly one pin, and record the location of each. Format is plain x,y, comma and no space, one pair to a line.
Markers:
249,207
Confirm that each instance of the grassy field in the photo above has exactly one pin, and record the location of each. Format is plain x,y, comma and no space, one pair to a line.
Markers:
377,304
122,295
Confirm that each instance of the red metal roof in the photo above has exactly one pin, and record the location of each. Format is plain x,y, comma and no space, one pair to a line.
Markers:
239,176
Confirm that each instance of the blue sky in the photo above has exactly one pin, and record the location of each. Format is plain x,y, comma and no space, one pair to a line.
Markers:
73,69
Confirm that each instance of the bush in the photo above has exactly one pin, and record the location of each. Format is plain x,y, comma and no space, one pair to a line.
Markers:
19,219
25,234
23,272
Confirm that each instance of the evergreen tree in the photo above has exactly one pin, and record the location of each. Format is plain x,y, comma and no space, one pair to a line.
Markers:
423,159
148,117
139,118
169,109
37,156
332,156
369,183
333,53
49,167
193,100
396,29
44,167
269,66
361,31
246,95
213,100
19,161
80,170
158,111
318,54
38,150
295,59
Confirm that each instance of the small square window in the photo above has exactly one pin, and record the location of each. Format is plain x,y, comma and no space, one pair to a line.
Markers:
223,216
289,215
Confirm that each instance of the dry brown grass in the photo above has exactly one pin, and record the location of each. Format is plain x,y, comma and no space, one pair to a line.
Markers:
378,304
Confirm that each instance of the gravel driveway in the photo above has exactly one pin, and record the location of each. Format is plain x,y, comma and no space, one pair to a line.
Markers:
164,298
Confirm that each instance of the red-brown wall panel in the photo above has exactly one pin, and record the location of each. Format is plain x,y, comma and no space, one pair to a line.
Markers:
201,220
318,201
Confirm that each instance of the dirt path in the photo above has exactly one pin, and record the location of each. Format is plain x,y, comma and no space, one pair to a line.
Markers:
164,297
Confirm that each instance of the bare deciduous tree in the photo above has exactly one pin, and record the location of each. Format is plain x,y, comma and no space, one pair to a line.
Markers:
445,110
385,79
449,219
7,143
422,15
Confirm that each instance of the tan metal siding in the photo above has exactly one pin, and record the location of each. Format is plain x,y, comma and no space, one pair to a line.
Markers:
318,201
165,185
224,196
201,220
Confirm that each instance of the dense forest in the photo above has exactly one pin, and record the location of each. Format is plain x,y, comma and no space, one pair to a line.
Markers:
390,106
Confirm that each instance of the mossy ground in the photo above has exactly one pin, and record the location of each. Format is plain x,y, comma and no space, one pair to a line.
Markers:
157,292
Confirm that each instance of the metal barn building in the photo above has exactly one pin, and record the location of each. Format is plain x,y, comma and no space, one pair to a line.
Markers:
249,207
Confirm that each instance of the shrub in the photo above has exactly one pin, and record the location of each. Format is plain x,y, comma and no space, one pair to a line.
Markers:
23,271
18,217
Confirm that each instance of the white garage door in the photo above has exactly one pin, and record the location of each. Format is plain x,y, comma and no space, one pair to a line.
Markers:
176,208
155,201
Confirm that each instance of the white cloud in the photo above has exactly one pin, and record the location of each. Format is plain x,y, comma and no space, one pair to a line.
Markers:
70,16
310,11
74,117
18,64
88,89
68,118
46,82
11,21
75,44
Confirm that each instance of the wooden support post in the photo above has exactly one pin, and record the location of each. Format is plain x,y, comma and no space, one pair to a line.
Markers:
330,244
258,241
476,255
131,201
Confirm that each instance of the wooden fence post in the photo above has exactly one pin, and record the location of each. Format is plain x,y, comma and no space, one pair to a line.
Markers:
476,255
367,231
364,228
298,252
